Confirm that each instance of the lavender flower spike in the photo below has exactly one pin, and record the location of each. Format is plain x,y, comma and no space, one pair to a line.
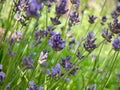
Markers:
116,44
34,7
2,76
60,10
1,66
56,42
89,44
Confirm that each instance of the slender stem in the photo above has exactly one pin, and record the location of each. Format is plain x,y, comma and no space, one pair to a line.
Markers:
111,70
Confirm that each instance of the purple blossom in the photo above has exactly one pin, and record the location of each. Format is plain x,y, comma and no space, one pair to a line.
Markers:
11,54
56,70
92,87
40,34
2,76
107,35
75,1
71,43
79,55
89,44
55,21
115,27
118,88
104,18
27,63
60,10
114,14
21,5
68,65
34,7
56,42
12,41
67,79
92,19
50,28
1,66
7,86
118,9
33,86
116,44
74,18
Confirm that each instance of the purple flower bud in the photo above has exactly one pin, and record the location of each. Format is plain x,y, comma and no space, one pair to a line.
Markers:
107,35
56,42
71,43
1,66
27,63
118,9
119,88
67,79
68,65
56,70
60,10
115,27
7,86
2,76
114,14
92,19
34,7
48,72
75,1
40,34
79,55
55,21
104,18
33,86
89,44
116,44
74,18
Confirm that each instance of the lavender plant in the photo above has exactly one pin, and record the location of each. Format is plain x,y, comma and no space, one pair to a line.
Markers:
44,45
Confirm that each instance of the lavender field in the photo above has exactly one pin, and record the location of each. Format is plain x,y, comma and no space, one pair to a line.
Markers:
59,44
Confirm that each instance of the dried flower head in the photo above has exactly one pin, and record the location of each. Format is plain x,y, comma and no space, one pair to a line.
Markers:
43,57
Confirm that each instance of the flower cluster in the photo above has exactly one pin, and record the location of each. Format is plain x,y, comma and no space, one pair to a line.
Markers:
27,63
66,64
74,18
33,8
107,35
20,7
115,27
55,21
56,42
76,3
2,74
89,44
104,19
33,86
116,44
92,19
60,10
